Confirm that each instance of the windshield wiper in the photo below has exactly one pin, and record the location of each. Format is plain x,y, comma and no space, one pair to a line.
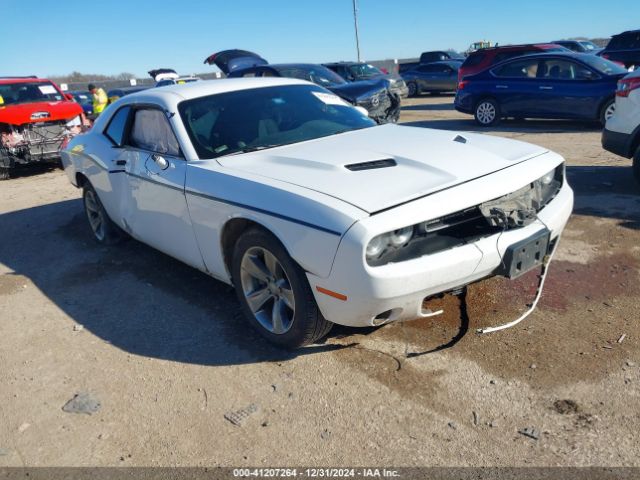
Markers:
250,149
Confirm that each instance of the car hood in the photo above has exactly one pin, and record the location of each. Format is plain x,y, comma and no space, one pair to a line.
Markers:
39,112
343,165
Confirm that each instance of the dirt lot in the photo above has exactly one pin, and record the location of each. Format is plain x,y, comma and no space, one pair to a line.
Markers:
164,350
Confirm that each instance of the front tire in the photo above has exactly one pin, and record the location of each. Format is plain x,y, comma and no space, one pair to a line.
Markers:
103,229
274,292
487,112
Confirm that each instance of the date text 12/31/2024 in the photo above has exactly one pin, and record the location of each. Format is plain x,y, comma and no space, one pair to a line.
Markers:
315,473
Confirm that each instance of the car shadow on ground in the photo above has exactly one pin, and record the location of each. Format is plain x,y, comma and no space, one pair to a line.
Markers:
31,170
606,191
508,126
130,295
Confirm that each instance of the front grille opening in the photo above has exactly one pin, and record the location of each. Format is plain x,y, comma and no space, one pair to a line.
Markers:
451,231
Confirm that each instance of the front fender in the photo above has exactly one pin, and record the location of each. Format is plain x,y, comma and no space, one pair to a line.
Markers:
309,224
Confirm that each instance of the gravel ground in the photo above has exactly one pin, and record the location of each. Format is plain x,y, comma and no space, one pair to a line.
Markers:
159,354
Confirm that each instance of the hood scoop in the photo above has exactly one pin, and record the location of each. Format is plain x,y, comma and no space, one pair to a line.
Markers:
372,165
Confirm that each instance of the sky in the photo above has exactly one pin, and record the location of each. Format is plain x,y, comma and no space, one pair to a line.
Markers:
47,37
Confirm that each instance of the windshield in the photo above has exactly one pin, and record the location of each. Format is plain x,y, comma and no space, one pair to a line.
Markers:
259,118
29,92
364,70
312,73
589,45
603,65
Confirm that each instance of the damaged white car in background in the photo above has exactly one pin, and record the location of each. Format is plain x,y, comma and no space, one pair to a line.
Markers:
313,212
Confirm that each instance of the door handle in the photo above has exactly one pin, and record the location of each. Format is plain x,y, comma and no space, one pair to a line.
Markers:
121,163
160,161
546,88
502,86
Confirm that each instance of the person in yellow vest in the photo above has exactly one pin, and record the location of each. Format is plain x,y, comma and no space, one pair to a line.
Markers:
100,99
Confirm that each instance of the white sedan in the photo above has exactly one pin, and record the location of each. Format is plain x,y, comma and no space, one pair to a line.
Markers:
315,214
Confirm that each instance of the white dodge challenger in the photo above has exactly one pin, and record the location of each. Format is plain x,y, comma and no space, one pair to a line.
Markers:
314,213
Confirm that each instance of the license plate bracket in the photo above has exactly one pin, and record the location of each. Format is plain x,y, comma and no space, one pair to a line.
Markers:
526,254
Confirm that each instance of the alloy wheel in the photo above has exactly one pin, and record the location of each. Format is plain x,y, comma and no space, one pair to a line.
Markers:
608,113
486,113
267,290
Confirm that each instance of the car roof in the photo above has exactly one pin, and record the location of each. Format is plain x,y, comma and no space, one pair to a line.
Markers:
569,55
211,87
508,47
626,33
344,62
7,80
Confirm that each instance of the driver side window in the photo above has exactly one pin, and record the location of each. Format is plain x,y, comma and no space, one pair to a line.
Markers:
151,131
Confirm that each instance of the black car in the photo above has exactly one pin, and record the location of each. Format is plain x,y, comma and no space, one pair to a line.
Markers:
440,56
624,48
579,46
357,71
374,95
433,77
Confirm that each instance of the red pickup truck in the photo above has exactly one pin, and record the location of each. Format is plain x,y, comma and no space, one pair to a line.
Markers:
36,120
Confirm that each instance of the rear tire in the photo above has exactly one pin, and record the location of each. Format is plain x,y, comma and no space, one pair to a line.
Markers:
274,293
413,89
607,111
487,112
104,230
636,165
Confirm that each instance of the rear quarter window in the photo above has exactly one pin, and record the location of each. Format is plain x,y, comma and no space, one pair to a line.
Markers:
116,128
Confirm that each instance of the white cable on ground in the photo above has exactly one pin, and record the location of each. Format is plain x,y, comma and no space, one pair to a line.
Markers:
543,277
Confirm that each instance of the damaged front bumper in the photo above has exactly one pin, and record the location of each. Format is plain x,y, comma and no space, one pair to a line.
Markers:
383,107
34,143
396,291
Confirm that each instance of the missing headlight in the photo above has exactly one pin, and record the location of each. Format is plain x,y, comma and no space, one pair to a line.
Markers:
520,208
